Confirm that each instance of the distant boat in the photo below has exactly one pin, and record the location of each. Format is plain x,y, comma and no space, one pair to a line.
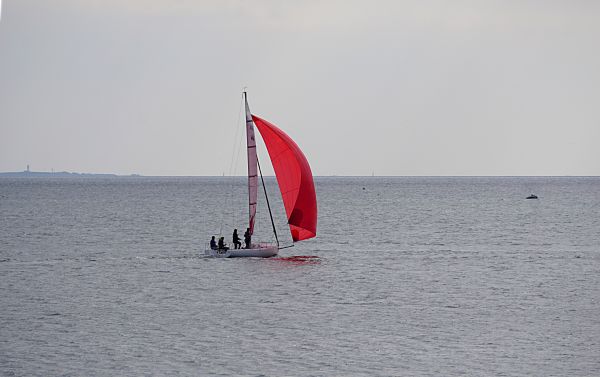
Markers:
532,196
295,181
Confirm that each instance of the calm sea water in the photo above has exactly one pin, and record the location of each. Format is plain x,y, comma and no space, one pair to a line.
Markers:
408,276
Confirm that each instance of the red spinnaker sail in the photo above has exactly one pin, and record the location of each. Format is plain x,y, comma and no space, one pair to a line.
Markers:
294,178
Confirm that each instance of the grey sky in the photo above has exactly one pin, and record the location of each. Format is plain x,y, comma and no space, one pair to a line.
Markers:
395,87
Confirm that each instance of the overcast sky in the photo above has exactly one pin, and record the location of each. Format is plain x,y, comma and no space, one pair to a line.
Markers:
391,87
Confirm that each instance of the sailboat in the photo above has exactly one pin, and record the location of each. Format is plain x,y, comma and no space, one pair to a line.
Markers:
295,182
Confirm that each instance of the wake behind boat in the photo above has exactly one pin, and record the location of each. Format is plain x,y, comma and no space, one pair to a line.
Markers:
295,182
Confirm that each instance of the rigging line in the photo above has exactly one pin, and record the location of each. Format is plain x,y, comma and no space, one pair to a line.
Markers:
268,205
231,163
235,139
240,141
238,152
234,167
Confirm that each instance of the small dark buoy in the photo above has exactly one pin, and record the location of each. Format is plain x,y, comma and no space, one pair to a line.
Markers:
363,188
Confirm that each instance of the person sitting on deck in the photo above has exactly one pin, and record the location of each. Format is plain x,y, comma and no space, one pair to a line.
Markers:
222,245
236,240
213,243
247,238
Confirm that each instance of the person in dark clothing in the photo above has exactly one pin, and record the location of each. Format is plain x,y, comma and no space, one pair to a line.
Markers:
213,243
222,245
236,240
247,238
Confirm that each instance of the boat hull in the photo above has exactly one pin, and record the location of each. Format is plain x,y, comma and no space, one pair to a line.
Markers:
257,251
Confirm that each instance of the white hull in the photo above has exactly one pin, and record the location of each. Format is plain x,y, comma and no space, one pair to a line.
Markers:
257,251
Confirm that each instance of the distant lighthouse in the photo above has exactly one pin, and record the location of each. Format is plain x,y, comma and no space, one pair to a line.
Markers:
27,168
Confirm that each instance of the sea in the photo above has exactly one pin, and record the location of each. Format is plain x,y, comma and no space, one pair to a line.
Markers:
408,276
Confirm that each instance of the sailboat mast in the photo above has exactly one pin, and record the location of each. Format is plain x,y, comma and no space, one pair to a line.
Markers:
252,167
253,164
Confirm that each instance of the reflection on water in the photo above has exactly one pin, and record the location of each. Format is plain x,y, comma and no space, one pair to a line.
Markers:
298,259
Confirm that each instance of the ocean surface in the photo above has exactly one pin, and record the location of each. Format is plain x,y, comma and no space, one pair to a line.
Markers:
411,276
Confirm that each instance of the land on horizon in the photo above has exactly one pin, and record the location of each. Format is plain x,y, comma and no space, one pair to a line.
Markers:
58,174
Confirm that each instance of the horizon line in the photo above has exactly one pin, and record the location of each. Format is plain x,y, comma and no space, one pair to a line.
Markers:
137,175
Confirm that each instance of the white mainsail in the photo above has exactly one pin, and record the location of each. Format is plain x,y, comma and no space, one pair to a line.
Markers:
252,167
